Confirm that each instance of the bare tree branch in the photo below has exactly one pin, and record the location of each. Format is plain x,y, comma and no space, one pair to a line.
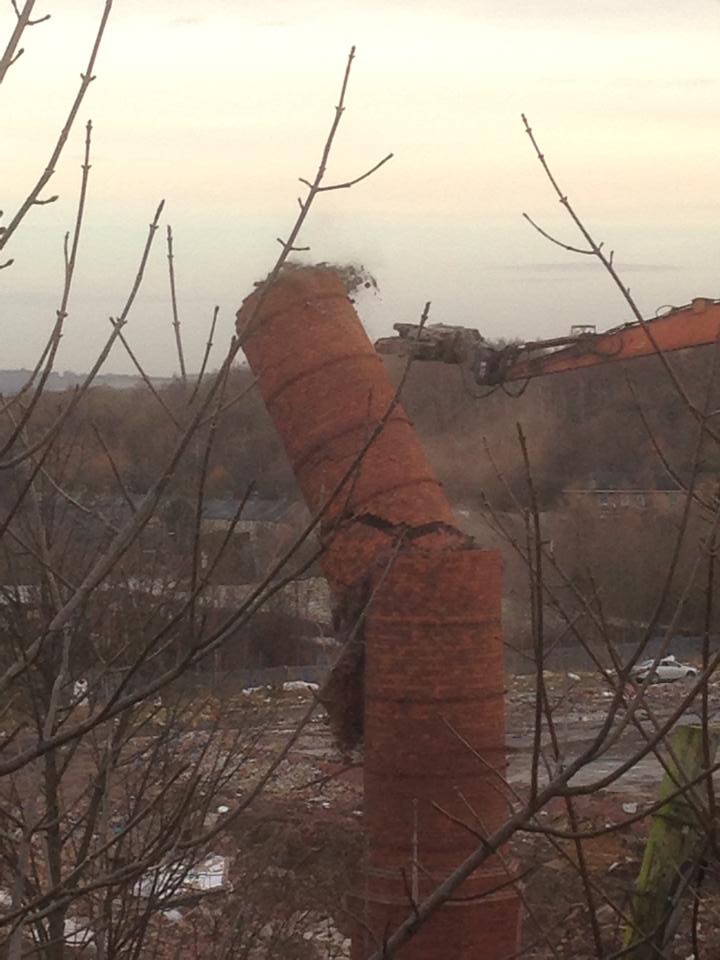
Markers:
86,79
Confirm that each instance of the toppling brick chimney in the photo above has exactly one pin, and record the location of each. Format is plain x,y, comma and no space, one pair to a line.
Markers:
429,649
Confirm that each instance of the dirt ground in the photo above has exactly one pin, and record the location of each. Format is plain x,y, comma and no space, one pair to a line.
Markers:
298,849
312,812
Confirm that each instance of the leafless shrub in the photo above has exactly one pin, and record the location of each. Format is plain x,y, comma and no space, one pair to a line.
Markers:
116,779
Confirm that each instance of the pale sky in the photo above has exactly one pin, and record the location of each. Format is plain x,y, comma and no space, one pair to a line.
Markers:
218,106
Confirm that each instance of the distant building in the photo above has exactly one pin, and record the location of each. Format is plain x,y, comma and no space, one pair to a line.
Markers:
613,501
255,514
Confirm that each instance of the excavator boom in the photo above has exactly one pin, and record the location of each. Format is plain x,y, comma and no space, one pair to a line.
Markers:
694,325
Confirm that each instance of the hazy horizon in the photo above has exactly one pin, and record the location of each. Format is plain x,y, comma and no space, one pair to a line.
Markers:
219,108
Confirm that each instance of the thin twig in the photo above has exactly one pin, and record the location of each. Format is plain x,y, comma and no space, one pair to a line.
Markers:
11,53
351,183
314,187
596,249
113,466
206,355
86,79
61,314
173,300
144,375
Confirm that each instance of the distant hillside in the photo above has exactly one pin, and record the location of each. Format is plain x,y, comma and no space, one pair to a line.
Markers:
12,380
604,427
617,426
620,426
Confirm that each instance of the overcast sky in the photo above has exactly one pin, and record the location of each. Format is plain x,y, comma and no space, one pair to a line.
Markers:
219,105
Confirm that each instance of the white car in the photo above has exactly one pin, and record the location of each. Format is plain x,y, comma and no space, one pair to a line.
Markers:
669,668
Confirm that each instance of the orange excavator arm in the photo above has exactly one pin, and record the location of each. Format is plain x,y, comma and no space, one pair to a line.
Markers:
694,325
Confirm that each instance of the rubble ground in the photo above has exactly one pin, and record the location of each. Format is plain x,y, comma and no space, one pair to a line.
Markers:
320,792
288,860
